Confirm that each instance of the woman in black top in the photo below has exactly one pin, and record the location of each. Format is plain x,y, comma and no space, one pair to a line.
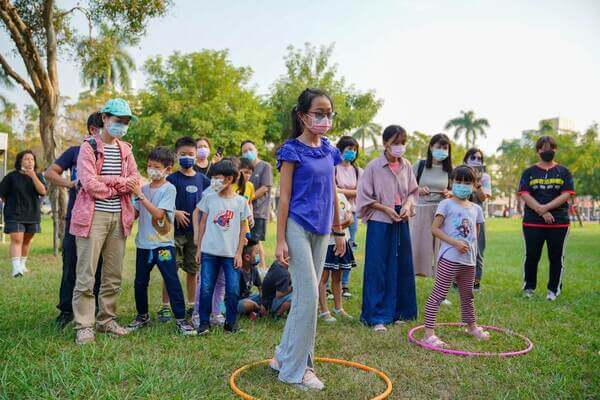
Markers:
545,188
20,191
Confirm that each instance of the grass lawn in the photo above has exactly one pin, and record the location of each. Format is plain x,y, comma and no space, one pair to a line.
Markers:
39,362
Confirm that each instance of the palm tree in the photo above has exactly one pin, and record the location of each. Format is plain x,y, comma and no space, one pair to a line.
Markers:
469,126
368,131
106,61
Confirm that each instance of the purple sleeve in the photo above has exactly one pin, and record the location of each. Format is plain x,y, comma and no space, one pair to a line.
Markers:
442,209
287,153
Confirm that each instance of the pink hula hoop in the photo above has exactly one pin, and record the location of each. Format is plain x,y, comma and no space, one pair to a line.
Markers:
421,343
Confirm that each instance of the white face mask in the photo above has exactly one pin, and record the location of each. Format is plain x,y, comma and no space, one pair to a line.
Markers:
155,174
217,184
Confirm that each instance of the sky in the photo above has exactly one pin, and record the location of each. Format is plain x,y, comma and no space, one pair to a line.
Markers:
512,62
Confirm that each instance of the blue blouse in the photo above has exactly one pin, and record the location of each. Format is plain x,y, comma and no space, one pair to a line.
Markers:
311,203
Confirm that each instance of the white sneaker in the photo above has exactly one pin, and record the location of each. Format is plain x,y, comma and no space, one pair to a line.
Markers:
551,296
195,320
23,263
16,271
217,320
528,293
446,302
310,381
327,317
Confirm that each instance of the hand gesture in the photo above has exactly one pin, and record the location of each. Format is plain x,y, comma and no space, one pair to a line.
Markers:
461,246
182,218
548,218
281,253
390,212
339,247
237,261
424,190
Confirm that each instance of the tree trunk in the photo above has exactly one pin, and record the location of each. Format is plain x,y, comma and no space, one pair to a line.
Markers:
58,201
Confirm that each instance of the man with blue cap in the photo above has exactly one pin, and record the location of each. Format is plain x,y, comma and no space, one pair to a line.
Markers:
102,219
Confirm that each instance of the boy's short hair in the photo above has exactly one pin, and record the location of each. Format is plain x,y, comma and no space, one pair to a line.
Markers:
185,141
545,140
246,164
163,155
249,246
246,142
95,120
464,173
225,168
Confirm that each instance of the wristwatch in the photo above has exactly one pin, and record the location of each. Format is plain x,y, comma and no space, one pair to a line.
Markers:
142,197
338,234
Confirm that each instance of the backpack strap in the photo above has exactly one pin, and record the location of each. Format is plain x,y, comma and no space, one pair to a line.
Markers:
92,142
420,169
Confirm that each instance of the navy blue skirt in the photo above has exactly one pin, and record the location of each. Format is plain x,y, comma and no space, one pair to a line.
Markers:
333,262
389,292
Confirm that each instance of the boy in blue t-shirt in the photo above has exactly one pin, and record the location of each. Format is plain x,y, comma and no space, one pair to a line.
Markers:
190,185
155,205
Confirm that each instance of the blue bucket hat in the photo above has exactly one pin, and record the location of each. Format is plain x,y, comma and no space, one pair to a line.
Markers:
118,107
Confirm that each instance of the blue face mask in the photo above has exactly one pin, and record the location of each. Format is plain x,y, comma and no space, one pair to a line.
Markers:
250,155
256,260
439,154
117,129
187,161
349,155
462,190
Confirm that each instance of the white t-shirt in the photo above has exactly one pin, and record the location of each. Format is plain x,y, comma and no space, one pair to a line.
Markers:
345,207
460,223
223,223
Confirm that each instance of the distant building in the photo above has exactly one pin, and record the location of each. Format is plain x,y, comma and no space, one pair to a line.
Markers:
558,124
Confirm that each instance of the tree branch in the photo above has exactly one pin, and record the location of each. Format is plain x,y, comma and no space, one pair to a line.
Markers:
13,74
82,10
50,44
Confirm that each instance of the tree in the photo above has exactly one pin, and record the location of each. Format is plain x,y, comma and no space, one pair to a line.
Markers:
105,61
468,126
312,68
197,94
39,30
368,132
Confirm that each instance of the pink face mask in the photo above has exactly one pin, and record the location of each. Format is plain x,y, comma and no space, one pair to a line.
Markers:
319,126
397,150
203,152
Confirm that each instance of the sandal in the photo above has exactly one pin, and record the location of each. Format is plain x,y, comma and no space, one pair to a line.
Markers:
379,328
435,341
478,332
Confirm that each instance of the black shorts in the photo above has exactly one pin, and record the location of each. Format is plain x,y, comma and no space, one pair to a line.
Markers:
14,227
259,230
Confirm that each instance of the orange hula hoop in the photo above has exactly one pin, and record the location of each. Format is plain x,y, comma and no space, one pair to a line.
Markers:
380,374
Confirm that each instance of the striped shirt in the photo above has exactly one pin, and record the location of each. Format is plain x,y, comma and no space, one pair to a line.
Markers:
112,166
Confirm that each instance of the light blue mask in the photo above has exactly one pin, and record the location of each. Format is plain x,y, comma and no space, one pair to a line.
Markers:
439,154
117,129
250,155
462,190
349,155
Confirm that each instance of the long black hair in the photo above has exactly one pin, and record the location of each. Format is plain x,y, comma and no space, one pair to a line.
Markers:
302,106
241,180
440,138
19,159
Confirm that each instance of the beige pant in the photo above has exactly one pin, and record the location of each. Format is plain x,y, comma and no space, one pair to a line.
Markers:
425,247
106,238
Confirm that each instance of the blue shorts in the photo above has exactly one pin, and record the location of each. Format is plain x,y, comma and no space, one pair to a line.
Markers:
277,302
253,297
15,227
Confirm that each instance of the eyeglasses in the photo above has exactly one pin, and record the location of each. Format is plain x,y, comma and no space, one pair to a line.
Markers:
320,115
475,158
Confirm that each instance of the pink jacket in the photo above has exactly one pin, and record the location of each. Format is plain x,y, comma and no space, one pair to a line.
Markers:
95,186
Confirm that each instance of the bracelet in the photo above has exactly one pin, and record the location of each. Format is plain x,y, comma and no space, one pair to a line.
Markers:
338,234
141,198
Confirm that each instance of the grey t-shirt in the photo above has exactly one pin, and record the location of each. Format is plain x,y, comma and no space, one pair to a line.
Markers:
460,223
436,179
223,223
262,176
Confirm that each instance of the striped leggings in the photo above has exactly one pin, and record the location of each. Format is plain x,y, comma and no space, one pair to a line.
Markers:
445,274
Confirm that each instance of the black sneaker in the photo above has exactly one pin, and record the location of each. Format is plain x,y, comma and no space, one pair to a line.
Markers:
63,319
230,329
138,322
164,314
346,293
477,286
203,328
185,328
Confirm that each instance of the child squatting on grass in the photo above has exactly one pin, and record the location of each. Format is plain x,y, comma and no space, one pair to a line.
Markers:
456,224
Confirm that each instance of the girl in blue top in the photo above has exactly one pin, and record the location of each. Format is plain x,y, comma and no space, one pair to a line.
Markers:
307,209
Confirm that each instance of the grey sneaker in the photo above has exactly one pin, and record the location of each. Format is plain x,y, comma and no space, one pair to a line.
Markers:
310,381
528,293
84,336
217,320
185,328
139,321
113,328
551,296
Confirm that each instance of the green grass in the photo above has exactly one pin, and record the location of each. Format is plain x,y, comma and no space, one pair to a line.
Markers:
38,361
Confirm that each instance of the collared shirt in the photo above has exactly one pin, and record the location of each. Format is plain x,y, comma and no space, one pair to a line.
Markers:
379,184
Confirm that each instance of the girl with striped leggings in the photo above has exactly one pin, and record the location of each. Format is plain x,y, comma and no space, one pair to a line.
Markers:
456,224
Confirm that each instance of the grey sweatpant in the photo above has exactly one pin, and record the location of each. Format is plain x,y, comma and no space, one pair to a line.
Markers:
307,257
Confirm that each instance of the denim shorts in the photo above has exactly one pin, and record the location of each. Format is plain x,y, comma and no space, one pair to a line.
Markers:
277,303
14,227
253,297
